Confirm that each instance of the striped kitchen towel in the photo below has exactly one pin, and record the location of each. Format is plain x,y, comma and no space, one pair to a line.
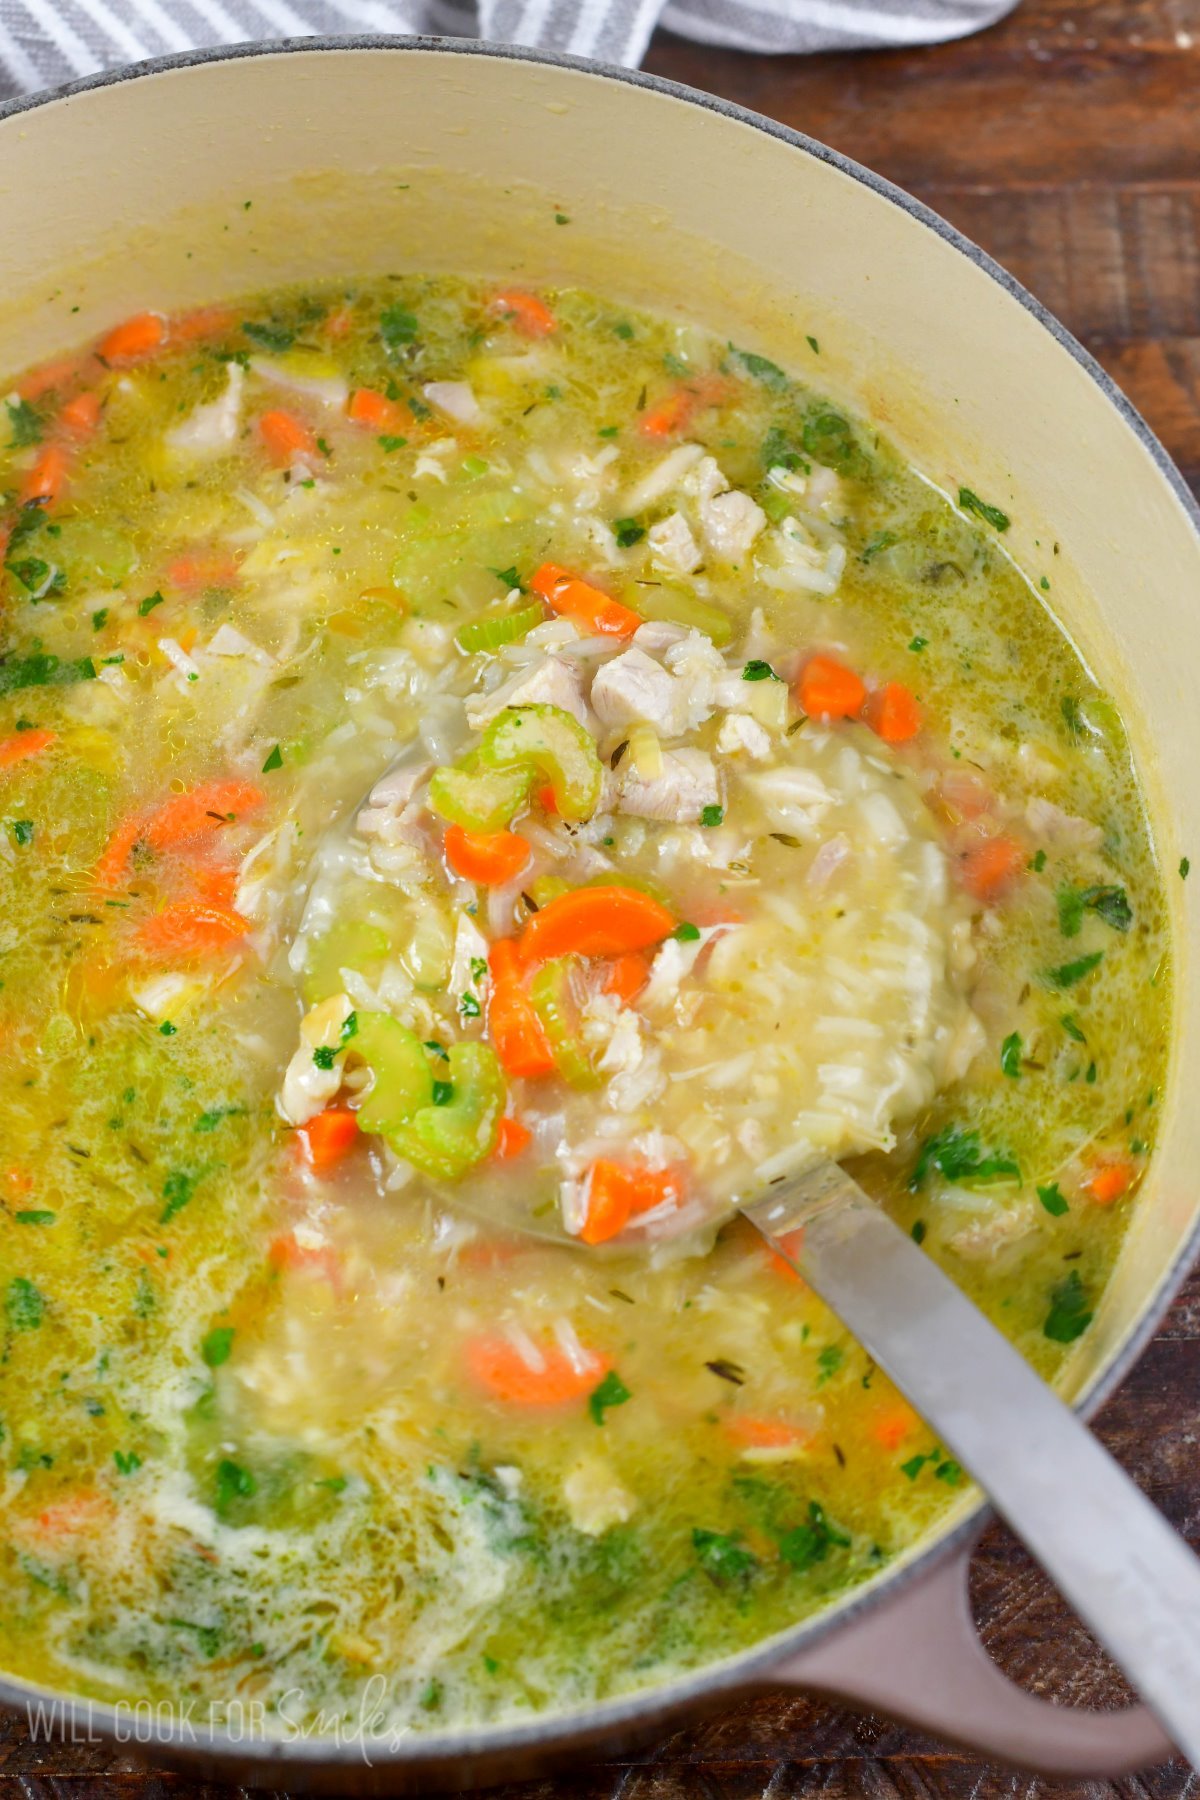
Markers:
44,43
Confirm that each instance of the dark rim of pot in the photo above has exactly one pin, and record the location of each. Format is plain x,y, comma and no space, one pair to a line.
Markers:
754,1665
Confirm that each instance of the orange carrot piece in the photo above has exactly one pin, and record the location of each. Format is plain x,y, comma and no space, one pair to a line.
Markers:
893,713
203,569
216,885
110,870
45,481
577,599
285,436
989,868
47,376
505,962
81,415
366,407
617,1192
23,744
328,1137
676,411
187,929
488,857
286,1253
204,808
1109,1182
596,921
545,798
498,1367
891,1428
627,975
517,1033
513,1140
754,1433
829,690
135,339
202,322
531,316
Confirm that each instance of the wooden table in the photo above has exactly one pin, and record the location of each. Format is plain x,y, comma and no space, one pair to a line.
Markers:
1067,142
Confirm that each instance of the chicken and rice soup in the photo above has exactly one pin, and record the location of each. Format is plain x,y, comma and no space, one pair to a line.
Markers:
477,768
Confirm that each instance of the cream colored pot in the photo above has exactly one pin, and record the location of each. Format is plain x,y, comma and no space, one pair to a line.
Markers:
197,177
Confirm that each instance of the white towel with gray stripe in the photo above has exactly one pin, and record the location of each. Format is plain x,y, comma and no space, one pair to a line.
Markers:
44,43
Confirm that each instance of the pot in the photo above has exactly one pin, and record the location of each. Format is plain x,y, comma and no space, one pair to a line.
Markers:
185,180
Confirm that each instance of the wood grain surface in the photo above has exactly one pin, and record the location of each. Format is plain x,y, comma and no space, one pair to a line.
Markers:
1066,141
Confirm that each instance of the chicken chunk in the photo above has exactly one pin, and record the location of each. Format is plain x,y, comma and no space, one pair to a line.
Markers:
550,682
212,428
595,1497
307,1087
456,399
672,545
740,732
633,687
687,785
730,522
389,798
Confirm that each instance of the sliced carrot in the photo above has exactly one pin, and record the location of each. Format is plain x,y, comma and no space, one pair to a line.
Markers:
366,407
1109,1182
204,808
328,1137
829,690
48,376
627,975
517,1033
676,411
217,885
990,867
23,744
81,415
187,929
45,481
617,1192
545,798
285,436
286,1252
890,1428
754,1433
135,339
596,921
513,1140
577,599
498,1367
531,316
202,569
488,857
893,713
505,962
110,870
202,322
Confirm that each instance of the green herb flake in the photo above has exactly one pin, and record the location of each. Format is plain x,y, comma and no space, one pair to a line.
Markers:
762,369
1053,1200
956,1153
813,346
1071,1026
1067,975
270,336
349,1028
391,443
608,431
323,1056
883,540
562,218
1037,862
628,532
24,1304
398,327
623,329
1108,903
611,1392
1184,868
22,830
723,1558
100,618
216,1346
166,1029
918,1231
35,1216
1070,1313
274,761
991,515
178,1189
687,933
829,1361
24,423
1010,1055
233,1483
811,1542
918,644
757,670
712,815
469,1007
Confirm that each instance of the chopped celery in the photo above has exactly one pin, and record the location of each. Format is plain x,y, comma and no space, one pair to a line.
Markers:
348,944
478,799
545,888
398,1060
448,1140
677,607
645,884
494,629
554,1002
552,742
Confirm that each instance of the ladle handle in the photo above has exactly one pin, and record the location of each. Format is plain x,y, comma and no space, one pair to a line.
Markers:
1108,1550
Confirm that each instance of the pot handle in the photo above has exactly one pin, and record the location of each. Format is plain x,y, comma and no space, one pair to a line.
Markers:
918,1657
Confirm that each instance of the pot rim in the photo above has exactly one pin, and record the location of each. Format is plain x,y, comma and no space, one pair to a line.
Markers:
744,1668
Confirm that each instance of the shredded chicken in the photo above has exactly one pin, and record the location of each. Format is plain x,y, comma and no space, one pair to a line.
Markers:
686,786
551,682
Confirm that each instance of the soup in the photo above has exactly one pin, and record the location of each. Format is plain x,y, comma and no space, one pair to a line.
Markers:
490,780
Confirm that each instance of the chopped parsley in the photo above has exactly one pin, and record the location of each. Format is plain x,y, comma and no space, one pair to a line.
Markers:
43,669
22,830
687,933
1053,1200
148,605
757,670
761,368
35,1216
100,618
812,1541
216,1346
1071,1026
1184,868
1010,1055
274,761
127,1461
957,1155
883,540
178,1189
712,815
24,423
1070,1311
469,1007
611,1392
24,1304
992,515
323,1056
918,644
723,1558
1068,974
270,336
233,1483
398,327
391,443
628,532
1109,903
829,1361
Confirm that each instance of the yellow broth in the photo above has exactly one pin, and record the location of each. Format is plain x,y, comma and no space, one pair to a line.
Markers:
248,1449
